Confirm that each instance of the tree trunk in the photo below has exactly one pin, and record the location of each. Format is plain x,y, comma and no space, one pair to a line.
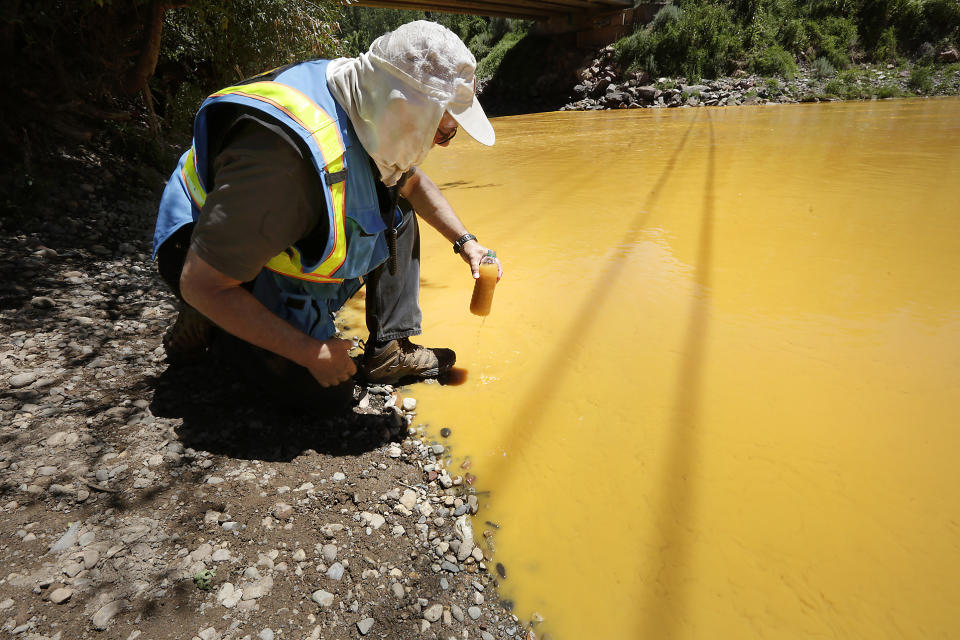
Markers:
150,51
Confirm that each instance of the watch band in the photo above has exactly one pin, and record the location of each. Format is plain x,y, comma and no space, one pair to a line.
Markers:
462,240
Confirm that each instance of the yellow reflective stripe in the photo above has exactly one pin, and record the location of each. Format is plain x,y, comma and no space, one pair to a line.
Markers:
192,180
291,265
321,126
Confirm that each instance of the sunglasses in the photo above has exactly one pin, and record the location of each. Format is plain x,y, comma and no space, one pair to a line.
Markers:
442,138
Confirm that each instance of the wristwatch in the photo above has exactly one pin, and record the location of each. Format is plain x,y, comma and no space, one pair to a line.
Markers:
462,240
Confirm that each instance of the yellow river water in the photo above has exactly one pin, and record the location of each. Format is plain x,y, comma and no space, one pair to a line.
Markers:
718,395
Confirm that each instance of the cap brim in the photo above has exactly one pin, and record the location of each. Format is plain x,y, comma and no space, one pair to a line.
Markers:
474,121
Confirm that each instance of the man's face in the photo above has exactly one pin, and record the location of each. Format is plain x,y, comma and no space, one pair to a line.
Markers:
445,130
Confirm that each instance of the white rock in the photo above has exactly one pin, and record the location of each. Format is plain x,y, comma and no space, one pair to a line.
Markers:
104,615
220,555
433,612
329,552
299,555
365,625
335,572
322,598
409,404
464,529
258,589
339,476
374,520
61,595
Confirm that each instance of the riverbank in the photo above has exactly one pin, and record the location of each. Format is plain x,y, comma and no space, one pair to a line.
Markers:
147,501
599,87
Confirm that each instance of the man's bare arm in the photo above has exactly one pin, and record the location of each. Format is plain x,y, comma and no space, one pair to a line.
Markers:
431,206
225,302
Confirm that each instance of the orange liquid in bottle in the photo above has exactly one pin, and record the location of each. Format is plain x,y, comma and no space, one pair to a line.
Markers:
483,289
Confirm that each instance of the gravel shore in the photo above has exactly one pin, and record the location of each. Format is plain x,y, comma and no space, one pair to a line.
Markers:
145,501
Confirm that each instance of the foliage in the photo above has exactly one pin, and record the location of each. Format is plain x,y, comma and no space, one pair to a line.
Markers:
823,69
218,42
487,67
204,579
921,79
886,49
359,26
774,60
700,40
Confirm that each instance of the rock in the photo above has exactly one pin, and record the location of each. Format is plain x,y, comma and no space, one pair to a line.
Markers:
329,552
457,612
90,558
465,551
335,572
365,625
409,404
322,598
42,302
61,595
464,529
397,589
282,511
339,476
299,555
331,530
949,55
105,614
433,612
374,520
220,555
409,499
20,380
266,634
474,612
446,565
6,604
228,595
258,589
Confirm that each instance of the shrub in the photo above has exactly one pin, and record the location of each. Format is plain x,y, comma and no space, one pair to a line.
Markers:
889,91
775,60
794,36
921,79
823,68
886,49
832,38
489,65
701,40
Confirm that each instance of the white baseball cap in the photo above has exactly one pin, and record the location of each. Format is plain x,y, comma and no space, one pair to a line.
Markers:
433,59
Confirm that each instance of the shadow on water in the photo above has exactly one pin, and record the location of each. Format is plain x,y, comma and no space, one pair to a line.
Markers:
566,347
664,602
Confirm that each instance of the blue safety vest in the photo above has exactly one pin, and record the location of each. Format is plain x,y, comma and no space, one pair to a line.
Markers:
301,290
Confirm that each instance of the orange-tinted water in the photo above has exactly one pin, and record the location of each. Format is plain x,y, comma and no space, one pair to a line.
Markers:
718,395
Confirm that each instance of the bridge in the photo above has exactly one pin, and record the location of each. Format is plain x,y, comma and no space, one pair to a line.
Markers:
596,22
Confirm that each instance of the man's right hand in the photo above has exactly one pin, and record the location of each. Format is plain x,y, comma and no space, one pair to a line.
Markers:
331,363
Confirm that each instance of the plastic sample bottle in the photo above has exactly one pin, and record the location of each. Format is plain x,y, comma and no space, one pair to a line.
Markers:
483,286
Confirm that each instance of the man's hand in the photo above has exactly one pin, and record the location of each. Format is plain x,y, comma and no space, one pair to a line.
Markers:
330,363
432,207
472,253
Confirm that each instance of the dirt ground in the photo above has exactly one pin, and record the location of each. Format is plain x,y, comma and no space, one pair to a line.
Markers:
151,501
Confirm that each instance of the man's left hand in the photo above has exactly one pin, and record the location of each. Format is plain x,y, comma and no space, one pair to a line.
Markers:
473,252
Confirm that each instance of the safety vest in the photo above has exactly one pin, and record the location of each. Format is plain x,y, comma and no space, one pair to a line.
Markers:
298,97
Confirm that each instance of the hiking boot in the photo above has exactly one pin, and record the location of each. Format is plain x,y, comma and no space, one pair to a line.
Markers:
401,360
189,337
